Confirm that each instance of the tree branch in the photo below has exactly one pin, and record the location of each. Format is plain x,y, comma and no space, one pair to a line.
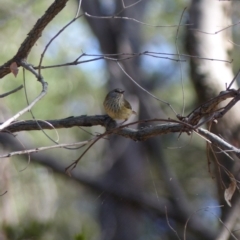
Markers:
142,201
134,134
207,111
33,36
40,96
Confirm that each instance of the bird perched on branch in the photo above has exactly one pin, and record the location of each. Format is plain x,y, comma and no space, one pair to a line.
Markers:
116,106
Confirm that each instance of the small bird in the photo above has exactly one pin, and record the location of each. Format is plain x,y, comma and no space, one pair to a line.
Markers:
116,106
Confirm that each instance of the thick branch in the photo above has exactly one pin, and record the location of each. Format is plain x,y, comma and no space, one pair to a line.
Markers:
217,141
141,134
185,124
33,35
103,120
83,121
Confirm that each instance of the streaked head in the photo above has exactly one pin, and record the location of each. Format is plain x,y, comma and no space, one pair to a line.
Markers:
116,94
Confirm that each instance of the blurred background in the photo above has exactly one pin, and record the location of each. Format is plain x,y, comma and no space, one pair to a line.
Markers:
163,188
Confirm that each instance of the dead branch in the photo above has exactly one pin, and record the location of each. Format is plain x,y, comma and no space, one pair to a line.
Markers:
219,142
210,107
84,121
190,122
207,112
38,98
12,91
33,36
134,134
36,150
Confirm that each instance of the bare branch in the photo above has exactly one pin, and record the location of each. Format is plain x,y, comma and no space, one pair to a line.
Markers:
134,20
214,33
194,213
59,32
118,57
33,36
79,7
135,134
209,107
177,49
40,96
207,111
217,141
175,232
35,150
229,224
10,92
84,121
162,101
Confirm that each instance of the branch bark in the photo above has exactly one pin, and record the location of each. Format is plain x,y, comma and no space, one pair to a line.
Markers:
33,36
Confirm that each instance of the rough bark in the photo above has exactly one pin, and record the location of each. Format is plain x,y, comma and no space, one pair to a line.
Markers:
33,36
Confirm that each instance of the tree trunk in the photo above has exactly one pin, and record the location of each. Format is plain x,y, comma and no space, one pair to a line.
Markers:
211,77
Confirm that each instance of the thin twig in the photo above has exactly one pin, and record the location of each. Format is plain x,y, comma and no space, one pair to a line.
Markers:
231,83
33,117
194,213
225,227
182,86
10,92
40,96
3,193
59,32
35,150
175,232
168,104
130,5
134,20
214,33
117,58
79,7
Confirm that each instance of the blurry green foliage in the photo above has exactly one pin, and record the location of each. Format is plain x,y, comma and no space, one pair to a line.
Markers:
79,237
29,229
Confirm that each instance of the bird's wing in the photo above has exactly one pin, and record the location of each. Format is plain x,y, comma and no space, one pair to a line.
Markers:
127,104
